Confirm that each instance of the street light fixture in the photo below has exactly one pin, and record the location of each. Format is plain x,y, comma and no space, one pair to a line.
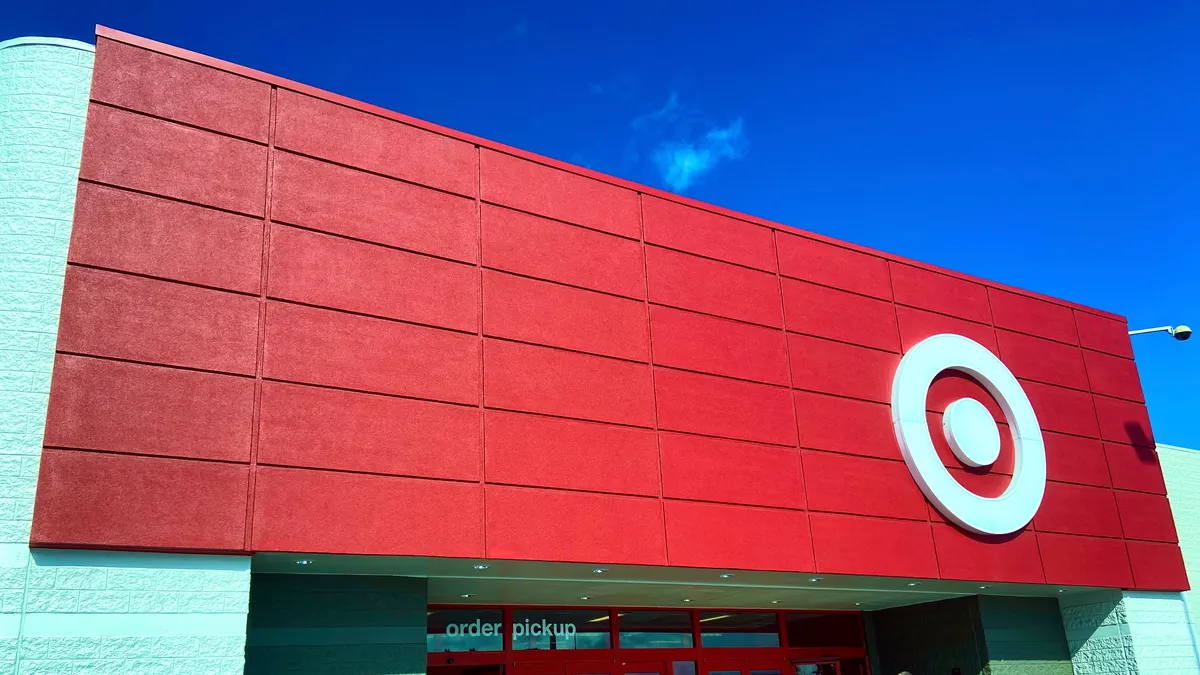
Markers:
1179,332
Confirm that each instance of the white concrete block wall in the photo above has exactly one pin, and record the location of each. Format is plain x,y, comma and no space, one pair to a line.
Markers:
1181,470
76,612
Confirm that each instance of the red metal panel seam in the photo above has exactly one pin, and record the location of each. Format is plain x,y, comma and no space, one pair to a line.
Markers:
1037,544
482,418
662,502
256,416
929,521
243,71
1112,486
787,352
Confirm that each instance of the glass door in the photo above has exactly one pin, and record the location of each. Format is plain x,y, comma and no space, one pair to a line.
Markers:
642,668
816,668
746,667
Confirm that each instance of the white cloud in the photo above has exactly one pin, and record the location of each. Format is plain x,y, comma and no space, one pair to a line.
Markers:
686,144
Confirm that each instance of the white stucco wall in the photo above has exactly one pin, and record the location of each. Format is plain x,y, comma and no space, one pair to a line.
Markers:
76,611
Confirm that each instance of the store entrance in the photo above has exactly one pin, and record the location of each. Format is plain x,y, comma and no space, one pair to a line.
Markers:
519,640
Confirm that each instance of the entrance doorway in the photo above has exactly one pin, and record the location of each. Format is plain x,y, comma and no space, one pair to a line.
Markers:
641,641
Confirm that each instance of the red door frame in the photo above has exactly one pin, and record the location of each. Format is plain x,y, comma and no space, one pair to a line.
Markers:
559,662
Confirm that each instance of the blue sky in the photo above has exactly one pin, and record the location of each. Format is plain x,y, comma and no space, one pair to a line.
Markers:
1053,146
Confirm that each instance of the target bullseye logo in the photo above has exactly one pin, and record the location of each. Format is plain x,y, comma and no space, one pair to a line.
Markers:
971,433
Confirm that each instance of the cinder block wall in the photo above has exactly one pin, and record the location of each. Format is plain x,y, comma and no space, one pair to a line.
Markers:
1181,472
314,624
76,611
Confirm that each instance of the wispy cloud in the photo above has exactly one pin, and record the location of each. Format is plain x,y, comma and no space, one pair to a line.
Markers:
686,143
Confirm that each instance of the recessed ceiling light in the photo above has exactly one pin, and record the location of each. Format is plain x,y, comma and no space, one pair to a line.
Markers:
585,597
468,595
815,579
982,587
774,602
1062,590
303,562
481,567
600,570
858,604
727,575
687,599
914,583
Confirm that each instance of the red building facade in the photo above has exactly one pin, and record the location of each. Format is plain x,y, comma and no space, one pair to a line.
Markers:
297,323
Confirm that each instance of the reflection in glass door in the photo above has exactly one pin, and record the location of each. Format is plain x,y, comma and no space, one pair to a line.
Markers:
827,668
643,668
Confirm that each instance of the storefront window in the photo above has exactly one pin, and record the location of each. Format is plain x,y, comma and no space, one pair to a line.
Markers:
655,630
561,629
817,629
464,630
739,629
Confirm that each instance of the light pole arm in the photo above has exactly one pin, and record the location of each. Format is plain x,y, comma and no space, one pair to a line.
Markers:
1156,329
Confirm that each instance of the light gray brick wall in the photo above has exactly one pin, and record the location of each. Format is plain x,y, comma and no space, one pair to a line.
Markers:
1129,632
76,612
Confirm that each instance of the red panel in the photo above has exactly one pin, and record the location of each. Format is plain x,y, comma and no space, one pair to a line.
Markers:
1046,361
704,233
973,557
1134,468
1060,409
549,452
1157,567
846,425
125,407
536,247
335,512
712,287
718,346
153,155
1124,422
333,429
321,129
1078,509
165,86
717,406
587,527
111,314
540,189
861,485
1103,334
560,316
737,537
320,346
982,483
1084,561
876,546
320,269
551,381
838,315
830,265
1074,459
940,293
916,325
162,238
1145,516
837,368
1032,316
951,385
97,500
710,469
1113,376
335,199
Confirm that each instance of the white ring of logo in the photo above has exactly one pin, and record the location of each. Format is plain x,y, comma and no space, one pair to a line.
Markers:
910,388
